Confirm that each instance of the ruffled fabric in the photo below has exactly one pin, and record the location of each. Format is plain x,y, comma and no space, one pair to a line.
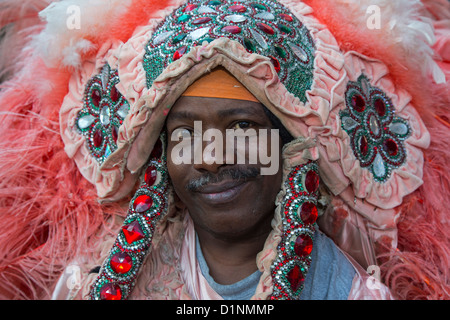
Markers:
363,211
339,157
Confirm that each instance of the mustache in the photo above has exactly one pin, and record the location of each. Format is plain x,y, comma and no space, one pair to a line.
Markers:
234,174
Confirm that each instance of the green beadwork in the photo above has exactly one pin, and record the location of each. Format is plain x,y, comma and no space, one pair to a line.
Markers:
372,129
184,18
182,29
259,6
249,44
284,28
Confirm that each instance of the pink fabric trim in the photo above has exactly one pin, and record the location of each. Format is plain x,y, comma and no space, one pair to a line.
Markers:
196,284
367,287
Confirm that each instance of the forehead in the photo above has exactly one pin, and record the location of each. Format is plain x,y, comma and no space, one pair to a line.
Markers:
195,108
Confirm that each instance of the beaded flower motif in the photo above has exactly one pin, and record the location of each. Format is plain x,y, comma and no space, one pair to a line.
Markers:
103,112
264,27
376,133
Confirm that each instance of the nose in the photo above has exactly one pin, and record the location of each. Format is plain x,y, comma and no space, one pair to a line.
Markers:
210,154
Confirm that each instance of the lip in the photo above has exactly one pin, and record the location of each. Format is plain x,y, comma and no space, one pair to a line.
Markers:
223,192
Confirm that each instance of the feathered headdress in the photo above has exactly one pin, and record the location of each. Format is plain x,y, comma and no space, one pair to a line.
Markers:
50,182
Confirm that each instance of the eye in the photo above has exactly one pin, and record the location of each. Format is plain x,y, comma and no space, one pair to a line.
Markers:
182,133
242,125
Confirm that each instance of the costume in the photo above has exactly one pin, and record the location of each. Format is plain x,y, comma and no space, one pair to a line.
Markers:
354,97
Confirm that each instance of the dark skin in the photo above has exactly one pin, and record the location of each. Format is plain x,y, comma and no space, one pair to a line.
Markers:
233,209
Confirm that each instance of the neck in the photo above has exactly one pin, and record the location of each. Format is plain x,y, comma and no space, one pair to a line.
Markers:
230,259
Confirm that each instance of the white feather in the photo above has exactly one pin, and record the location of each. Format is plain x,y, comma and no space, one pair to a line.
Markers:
63,40
403,23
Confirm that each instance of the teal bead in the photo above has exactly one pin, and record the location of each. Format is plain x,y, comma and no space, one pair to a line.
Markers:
178,38
184,18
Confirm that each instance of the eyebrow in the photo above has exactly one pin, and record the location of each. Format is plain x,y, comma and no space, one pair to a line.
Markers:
182,115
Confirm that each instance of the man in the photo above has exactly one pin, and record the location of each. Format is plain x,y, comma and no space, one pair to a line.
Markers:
232,206
170,111
227,210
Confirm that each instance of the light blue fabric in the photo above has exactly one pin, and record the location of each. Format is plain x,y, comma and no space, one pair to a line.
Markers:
242,290
329,278
330,275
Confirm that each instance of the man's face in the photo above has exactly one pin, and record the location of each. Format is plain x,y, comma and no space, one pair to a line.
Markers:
229,199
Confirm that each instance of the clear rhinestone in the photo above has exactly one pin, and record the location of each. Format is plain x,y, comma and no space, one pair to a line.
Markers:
374,125
235,18
105,76
398,128
205,9
348,123
105,116
265,15
378,166
299,52
259,39
365,85
197,34
85,121
123,110
162,37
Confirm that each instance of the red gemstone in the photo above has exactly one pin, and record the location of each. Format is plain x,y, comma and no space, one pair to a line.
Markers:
98,138
237,8
150,175
121,262
232,29
265,28
190,7
110,291
358,103
276,64
201,20
142,203
295,278
96,97
363,145
286,17
380,107
179,53
303,245
115,133
157,150
312,181
114,94
308,213
133,232
391,147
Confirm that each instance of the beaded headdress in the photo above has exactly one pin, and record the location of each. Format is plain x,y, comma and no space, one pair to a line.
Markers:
343,90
